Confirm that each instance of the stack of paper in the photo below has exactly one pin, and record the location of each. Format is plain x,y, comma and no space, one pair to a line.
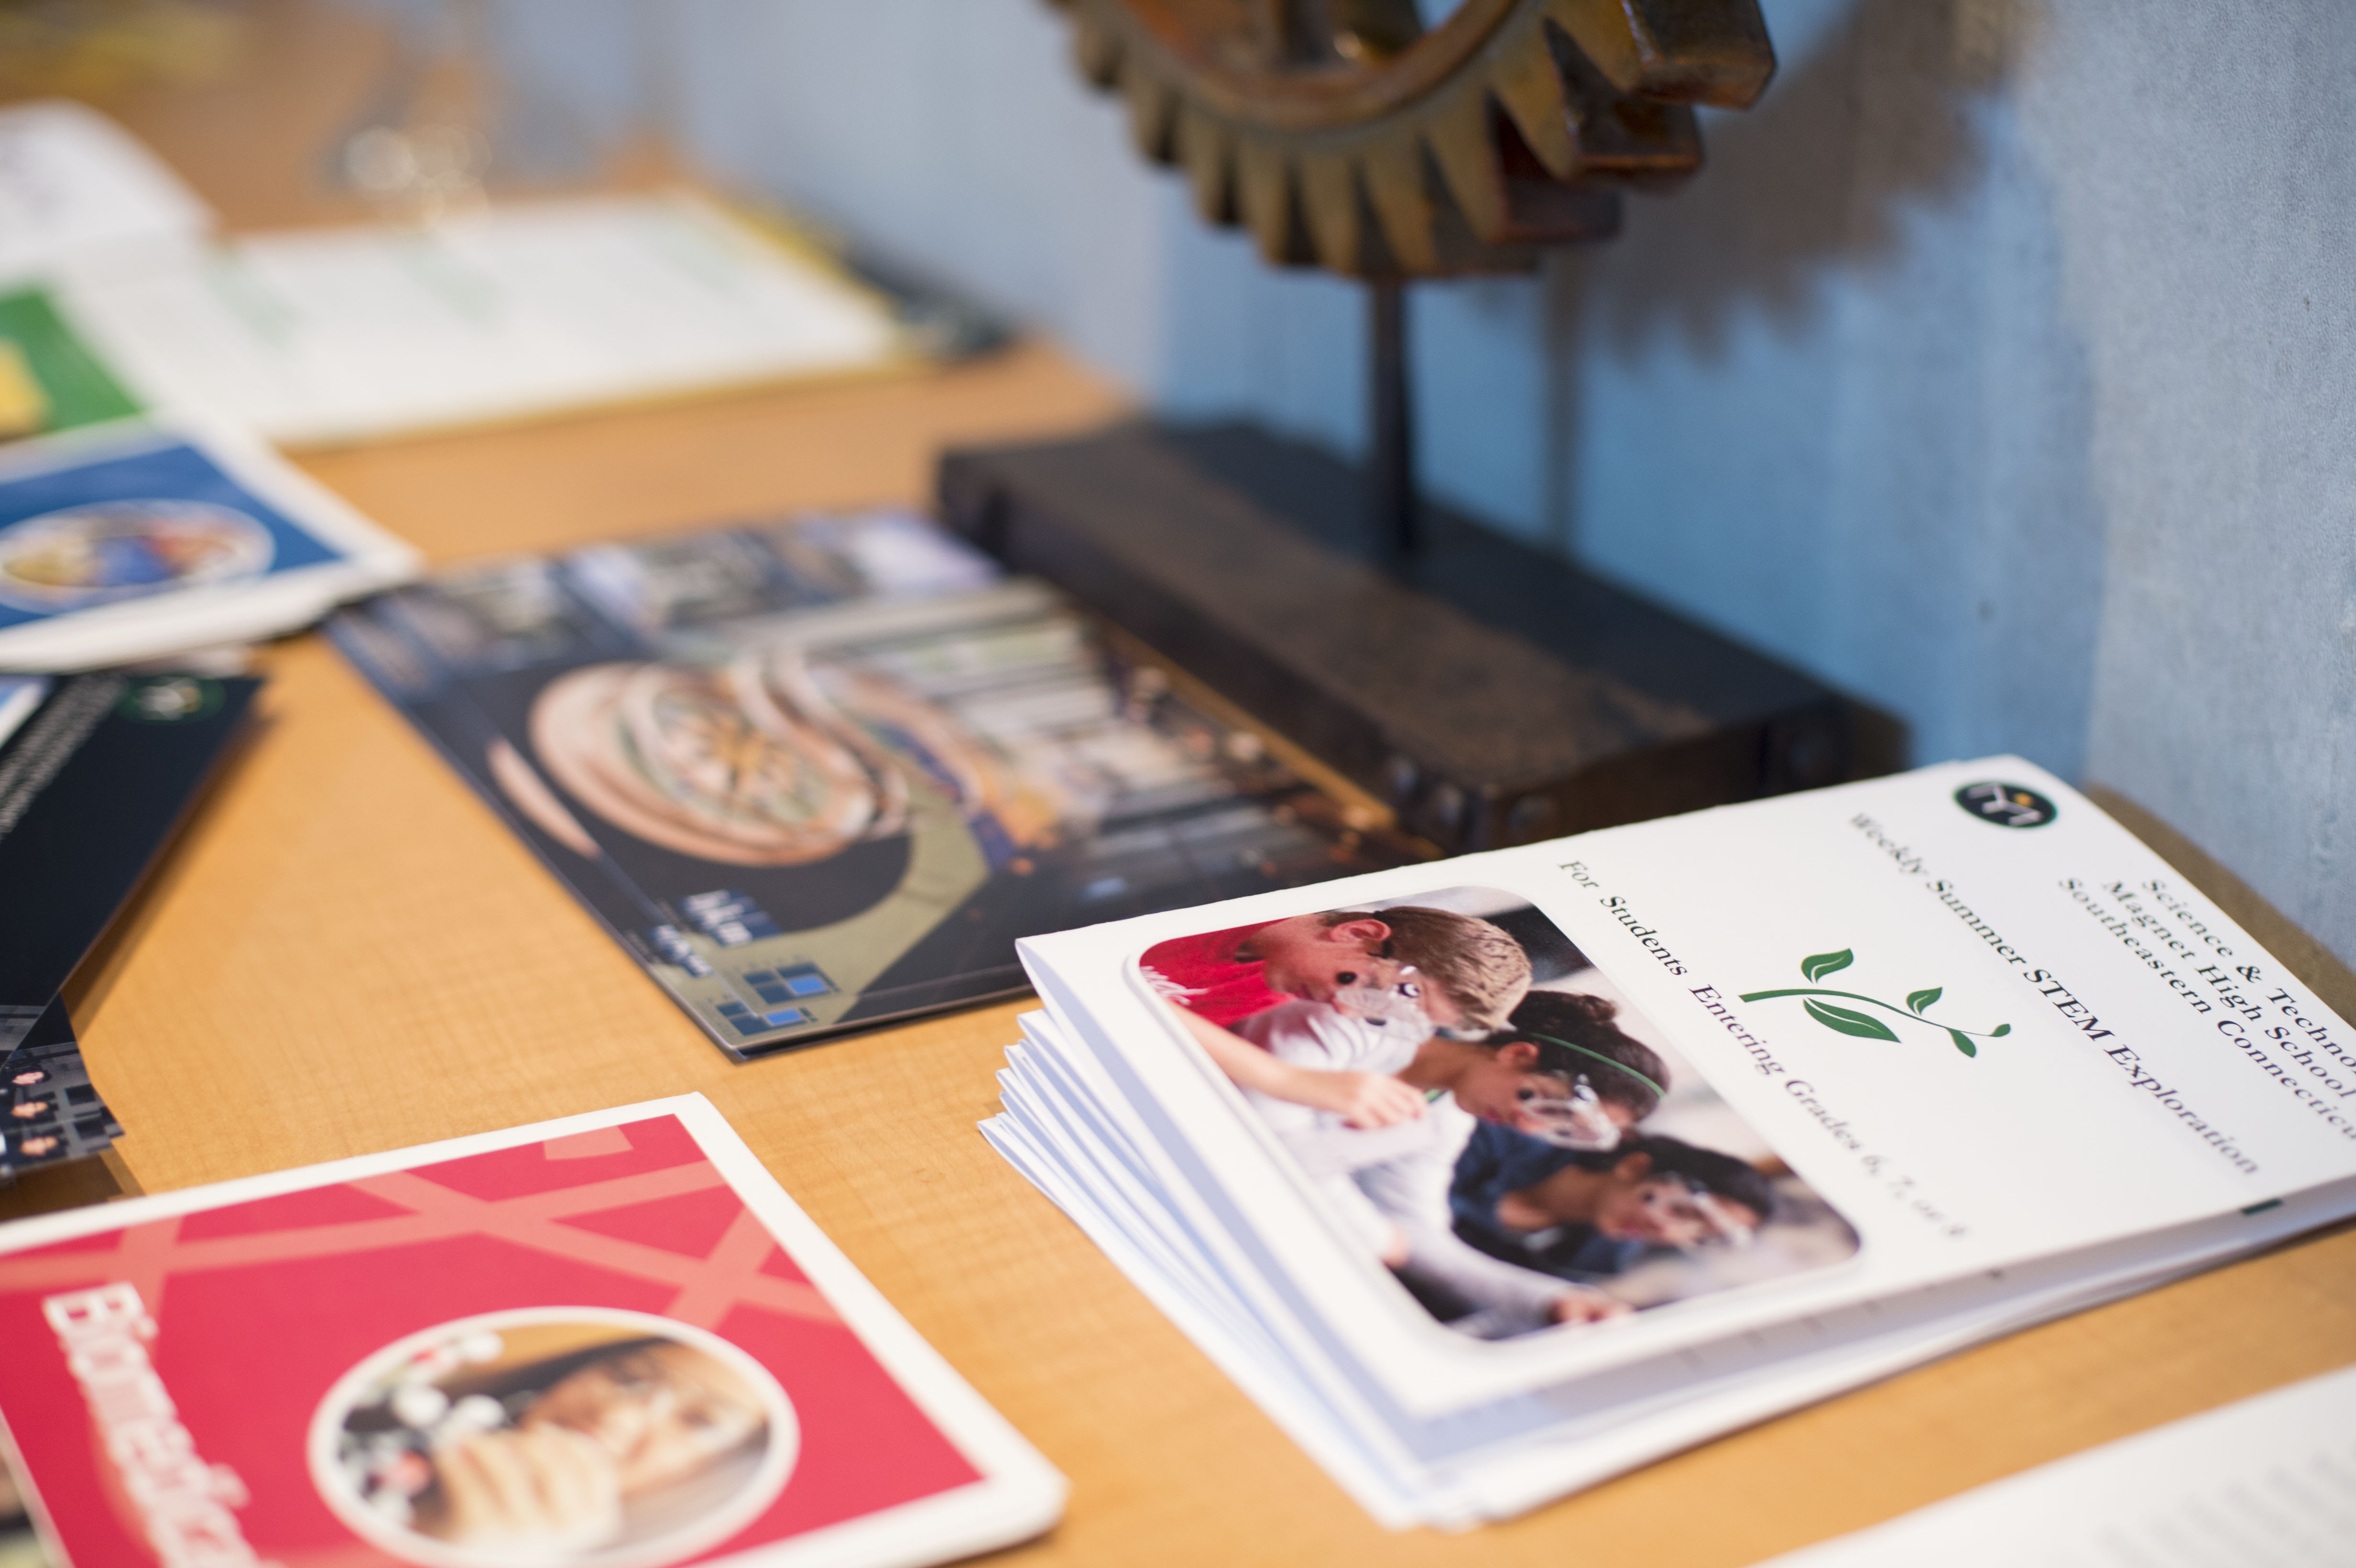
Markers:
1689,1122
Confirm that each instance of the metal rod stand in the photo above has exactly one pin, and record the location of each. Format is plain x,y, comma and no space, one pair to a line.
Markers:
1393,519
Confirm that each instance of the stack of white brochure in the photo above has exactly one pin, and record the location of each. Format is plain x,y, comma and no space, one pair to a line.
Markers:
1491,1179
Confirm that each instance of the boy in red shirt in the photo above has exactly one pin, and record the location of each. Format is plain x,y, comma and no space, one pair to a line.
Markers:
1230,974
1467,974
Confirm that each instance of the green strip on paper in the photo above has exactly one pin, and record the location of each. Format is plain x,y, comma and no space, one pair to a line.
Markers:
76,383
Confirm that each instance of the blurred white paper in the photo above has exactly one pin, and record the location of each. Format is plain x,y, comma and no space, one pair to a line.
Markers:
2267,1483
324,337
73,183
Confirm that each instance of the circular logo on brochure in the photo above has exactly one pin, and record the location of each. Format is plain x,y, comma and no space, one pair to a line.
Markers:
169,699
2007,805
556,1437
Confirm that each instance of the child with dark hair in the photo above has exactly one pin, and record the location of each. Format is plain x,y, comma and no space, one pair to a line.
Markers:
1585,1215
1614,1080
1561,1073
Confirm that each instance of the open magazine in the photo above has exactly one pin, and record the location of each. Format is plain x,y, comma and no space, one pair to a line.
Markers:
1493,1178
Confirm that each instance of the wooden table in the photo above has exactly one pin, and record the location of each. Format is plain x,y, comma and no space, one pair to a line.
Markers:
349,952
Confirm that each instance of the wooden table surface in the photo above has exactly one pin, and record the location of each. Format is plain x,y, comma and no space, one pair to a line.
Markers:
348,953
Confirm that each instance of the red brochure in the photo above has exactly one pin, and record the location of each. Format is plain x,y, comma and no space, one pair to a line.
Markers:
610,1341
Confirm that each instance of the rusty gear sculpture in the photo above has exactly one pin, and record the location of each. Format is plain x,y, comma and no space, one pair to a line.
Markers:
1346,134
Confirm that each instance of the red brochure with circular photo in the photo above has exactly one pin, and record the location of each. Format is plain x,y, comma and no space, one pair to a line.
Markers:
610,1341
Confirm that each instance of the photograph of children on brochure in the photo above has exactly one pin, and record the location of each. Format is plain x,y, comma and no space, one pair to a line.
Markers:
1476,1104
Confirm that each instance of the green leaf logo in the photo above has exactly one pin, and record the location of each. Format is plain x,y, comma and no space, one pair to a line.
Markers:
1848,1020
1864,1025
1818,966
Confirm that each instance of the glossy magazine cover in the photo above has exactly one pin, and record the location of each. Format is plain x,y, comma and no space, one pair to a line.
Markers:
824,772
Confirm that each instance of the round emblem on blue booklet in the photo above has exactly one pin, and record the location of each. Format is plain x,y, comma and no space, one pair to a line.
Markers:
106,551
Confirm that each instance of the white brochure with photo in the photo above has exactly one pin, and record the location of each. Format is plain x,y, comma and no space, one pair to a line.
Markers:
1493,1178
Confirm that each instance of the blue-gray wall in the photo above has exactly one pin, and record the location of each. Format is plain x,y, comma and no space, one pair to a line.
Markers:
1998,369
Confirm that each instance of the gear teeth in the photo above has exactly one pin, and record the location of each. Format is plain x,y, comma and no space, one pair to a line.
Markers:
1453,242
1703,52
1207,150
1343,224
1271,204
1625,141
1530,88
1529,142
1542,209
1152,111
1337,217
1393,168
1459,137
1678,51
1642,144
1095,46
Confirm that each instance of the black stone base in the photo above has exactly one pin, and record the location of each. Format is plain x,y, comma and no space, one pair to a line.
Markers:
1492,694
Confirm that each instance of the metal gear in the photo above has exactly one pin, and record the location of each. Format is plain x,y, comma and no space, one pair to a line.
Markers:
1344,133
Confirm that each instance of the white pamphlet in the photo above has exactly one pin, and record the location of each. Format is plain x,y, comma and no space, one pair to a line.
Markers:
317,337
2268,1482
75,184
1493,1178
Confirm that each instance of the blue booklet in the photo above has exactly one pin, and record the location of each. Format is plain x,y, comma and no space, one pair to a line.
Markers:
144,536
